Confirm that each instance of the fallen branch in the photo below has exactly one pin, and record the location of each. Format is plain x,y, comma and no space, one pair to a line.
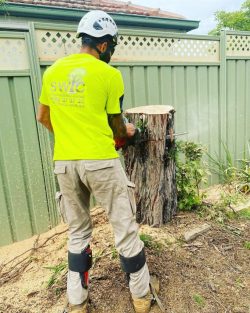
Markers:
20,265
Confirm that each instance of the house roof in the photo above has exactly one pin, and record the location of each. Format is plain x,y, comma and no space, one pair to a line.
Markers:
125,14
112,6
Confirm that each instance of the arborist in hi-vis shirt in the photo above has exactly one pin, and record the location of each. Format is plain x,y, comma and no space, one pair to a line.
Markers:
81,103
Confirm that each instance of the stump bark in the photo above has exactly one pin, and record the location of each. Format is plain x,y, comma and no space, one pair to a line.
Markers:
150,164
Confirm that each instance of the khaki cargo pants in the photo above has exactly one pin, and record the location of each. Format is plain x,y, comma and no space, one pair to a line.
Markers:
107,181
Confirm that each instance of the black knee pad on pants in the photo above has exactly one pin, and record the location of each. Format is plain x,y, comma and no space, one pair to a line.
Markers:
80,262
133,264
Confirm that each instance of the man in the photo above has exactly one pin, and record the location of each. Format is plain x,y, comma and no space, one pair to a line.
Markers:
81,103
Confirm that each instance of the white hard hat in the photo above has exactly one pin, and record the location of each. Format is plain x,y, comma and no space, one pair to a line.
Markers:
97,24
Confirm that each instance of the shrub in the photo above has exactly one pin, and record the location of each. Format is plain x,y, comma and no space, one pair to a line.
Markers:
191,172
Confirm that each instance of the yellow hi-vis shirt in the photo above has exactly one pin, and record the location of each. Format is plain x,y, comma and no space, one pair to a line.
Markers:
80,91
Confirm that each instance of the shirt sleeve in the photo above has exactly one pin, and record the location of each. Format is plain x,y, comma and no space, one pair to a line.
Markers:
115,94
44,97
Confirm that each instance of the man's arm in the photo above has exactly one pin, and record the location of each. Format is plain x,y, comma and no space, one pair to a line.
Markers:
119,128
43,116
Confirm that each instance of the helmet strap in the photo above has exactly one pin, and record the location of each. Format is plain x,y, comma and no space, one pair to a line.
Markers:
105,56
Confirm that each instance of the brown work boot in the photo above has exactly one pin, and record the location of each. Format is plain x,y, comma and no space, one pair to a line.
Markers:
143,305
80,308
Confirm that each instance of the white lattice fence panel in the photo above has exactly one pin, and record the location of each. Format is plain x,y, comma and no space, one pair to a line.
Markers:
55,44
13,54
140,48
238,45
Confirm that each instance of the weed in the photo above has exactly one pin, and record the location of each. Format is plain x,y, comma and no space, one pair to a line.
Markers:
114,253
150,242
223,166
244,214
247,245
239,283
199,300
58,272
224,209
229,198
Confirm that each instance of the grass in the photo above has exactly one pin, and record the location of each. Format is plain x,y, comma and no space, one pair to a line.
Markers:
223,166
150,242
247,245
199,300
244,214
239,283
114,253
57,272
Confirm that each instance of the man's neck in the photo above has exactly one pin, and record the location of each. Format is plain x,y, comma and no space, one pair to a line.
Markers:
90,51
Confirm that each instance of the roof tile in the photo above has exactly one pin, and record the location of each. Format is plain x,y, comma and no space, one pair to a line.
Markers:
106,5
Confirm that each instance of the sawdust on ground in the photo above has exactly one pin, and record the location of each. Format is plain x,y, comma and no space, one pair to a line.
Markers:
209,275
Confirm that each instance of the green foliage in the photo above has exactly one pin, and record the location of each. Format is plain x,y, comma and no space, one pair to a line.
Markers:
199,300
57,272
229,198
225,168
239,283
243,177
247,245
237,20
191,171
141,124
222,211
150,242
114,253
244,214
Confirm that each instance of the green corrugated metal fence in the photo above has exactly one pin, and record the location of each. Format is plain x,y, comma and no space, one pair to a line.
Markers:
23,201
238,106
210,94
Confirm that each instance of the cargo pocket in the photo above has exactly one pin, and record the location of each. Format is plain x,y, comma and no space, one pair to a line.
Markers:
60,169
99,165
131,195
60,206
101,171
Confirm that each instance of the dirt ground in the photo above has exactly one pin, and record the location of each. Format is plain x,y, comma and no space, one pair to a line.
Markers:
209,275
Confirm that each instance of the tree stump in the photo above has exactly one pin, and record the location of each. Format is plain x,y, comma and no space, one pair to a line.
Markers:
150,164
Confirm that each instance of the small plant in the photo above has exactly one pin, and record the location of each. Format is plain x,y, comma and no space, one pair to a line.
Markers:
230,172
114,253
247,245
58,272
223,209
230,198
244,214
239,283
191,171
199,300
150,242
223,166
98,254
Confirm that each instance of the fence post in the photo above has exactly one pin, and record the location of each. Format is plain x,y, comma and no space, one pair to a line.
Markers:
223,95
44,137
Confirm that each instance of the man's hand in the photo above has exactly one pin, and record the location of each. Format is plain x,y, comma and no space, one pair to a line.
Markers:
130,129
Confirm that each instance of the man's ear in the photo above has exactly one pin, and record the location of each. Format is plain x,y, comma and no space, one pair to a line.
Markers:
102,46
